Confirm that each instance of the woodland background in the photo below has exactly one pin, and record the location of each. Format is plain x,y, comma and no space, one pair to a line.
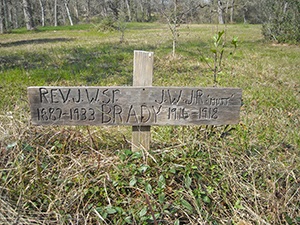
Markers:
280,18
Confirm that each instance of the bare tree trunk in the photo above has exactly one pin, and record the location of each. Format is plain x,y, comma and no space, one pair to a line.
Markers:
244,14
174,30
9,16
2,27
142,11
55,13
42,12
76,10
149,11
68,12
220,12
88,9
174,42
128,10
15,22
5,14
232,11
28,15
172,20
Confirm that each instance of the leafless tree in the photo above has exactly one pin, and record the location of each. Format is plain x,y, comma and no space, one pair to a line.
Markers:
66,3
55,13
2,26
42,12
16,13
175,13
28,15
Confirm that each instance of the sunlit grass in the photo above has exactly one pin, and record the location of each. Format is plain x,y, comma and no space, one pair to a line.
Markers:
192,175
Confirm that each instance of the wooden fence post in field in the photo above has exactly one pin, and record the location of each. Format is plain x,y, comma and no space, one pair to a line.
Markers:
142,76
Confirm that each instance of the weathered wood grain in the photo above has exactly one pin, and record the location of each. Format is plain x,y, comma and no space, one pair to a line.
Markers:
142,76
143,68
134,106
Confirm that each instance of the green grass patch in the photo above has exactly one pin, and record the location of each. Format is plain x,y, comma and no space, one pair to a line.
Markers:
241,174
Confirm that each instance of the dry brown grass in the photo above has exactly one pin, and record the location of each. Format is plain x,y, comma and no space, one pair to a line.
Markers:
243,174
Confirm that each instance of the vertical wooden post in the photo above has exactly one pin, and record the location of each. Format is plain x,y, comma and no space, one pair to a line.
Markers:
142,76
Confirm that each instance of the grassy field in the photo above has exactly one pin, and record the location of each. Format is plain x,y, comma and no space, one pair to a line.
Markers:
242,174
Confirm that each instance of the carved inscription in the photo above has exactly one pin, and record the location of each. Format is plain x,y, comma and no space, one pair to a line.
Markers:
134,105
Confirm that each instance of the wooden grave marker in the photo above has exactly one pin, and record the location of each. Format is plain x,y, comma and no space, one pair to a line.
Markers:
140,106
142,76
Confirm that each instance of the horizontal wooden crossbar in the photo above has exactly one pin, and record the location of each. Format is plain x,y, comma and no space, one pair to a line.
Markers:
134,106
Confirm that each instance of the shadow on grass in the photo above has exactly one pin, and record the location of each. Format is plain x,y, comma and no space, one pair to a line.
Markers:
106,64
24,61
34,41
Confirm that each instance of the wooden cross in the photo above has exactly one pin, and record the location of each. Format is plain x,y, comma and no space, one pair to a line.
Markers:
140,106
